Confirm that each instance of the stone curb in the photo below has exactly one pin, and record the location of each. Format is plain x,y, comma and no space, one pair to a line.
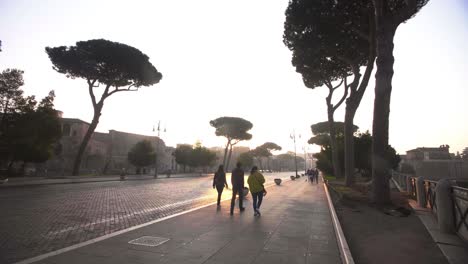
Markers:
345,252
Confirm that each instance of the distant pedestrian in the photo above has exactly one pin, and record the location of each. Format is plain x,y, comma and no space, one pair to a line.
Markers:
316,175
219,181
256,181
310,175
237,182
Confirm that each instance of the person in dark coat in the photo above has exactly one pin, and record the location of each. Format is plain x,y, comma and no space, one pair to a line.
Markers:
237,181
219,181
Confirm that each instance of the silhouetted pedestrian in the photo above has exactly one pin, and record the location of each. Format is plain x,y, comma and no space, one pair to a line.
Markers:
237,182
256,181
219,181
316,175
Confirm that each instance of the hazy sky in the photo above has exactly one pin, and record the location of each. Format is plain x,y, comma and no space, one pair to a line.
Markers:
226,58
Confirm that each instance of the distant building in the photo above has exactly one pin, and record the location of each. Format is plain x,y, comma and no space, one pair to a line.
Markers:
434,163
440,153
105,152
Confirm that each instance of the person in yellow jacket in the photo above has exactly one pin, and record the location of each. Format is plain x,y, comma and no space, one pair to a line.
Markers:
256,181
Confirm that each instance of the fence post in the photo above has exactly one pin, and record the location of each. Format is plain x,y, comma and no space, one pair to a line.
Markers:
421,192
444,206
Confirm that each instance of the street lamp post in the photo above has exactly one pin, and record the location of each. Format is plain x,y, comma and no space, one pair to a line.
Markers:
305,159
293,137
157,149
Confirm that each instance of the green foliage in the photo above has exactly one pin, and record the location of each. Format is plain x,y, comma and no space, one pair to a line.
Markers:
327,38
198,156
260,151
110,63
246,159
142,154
182,154
324,158
29,131
322,128
11,95
201,157
271,146
233,128
116,66
319,140
264,150
362,155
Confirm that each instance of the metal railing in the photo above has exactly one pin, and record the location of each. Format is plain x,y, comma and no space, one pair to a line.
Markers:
460,201
430,194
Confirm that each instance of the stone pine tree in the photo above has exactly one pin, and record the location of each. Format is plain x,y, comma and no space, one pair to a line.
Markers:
389,14
316,70
270,146
330,41
235,130
114,67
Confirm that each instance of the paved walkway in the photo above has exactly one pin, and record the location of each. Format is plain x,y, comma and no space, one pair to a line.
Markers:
295,227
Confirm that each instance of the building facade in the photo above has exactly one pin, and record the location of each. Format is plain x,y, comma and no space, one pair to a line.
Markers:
106,153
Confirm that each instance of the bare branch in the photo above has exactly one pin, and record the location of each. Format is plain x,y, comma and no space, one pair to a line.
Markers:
330,93
105,94
128,89
370,61
345,94
334,88
91,92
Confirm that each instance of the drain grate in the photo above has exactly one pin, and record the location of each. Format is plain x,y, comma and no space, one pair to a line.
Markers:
149,241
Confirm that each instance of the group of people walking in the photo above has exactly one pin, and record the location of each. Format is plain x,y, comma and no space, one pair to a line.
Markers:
256,186
313,175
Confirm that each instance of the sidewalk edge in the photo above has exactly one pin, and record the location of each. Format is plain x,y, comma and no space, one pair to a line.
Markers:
345,252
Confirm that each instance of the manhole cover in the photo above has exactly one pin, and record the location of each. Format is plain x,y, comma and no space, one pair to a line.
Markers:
149,241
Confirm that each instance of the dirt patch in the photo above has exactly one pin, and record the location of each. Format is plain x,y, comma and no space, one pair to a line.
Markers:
383,235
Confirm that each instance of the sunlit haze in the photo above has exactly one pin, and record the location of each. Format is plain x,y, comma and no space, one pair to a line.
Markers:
227,58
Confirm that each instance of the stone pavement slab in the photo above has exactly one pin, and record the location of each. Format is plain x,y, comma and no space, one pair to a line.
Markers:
295,227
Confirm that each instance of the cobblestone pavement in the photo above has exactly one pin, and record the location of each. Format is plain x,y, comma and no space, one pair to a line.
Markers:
40,219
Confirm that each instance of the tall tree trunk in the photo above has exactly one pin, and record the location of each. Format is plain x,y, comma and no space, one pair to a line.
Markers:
225,152
228,159
333,144
349,142
383,90
86,138
352,103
